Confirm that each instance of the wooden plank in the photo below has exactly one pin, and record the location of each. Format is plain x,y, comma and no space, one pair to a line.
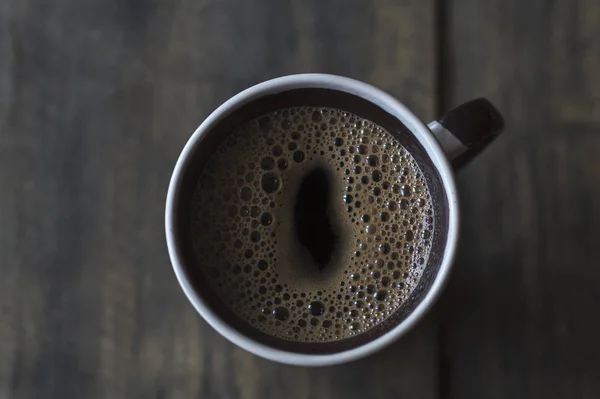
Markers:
520,317
97,100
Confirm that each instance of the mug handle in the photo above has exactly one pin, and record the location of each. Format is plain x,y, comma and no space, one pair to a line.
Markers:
466,130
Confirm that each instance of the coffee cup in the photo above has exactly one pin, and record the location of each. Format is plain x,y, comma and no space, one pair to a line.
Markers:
439,148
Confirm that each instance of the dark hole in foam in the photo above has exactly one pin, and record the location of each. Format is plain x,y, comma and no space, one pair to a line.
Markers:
313,227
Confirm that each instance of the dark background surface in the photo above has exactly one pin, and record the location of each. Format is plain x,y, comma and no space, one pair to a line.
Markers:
97,98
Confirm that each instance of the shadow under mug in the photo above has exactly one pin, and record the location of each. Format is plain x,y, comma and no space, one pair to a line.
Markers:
439,148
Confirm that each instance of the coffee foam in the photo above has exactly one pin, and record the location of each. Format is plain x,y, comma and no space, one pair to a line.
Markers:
245,234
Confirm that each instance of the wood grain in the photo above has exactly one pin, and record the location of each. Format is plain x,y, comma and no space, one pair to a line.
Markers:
519,317
97,98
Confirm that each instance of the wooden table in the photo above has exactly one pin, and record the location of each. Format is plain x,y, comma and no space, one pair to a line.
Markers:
97,98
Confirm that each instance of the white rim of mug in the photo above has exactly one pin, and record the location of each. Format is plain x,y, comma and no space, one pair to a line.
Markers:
388,104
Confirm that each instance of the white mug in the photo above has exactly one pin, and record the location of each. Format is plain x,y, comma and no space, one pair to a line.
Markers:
448,143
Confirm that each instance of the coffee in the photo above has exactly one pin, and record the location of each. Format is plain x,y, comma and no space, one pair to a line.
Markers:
312,224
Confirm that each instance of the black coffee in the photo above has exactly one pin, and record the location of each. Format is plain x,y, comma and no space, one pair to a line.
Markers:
312,224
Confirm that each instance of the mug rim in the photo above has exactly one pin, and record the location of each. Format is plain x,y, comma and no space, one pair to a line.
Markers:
389,104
